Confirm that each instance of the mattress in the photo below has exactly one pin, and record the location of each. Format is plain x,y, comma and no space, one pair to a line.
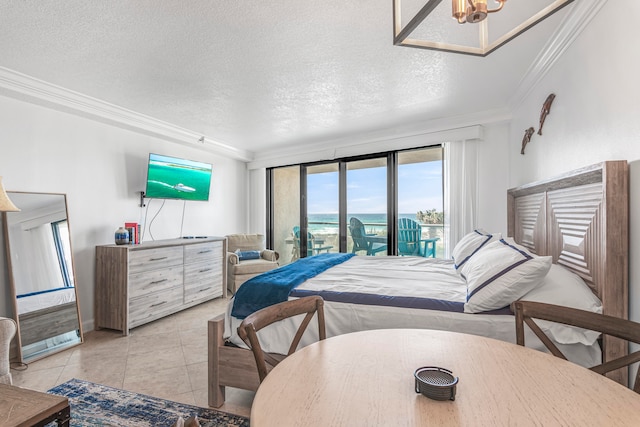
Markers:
402,279
34,301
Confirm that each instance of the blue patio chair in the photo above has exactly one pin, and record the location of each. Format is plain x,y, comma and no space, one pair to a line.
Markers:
409,237
363,241
314,245
410,241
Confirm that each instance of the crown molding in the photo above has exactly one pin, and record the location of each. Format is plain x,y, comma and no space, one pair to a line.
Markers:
30,89
582,12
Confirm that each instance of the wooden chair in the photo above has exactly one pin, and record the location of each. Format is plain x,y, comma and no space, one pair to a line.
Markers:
248,329
526,311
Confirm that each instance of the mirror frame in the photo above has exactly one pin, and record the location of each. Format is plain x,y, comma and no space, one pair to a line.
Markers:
17,350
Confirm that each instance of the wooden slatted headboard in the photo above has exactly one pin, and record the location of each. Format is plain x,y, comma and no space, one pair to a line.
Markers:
581,219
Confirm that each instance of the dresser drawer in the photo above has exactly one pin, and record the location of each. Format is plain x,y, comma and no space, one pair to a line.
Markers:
202,293
154,306
151,259
141,284
210,251
202,281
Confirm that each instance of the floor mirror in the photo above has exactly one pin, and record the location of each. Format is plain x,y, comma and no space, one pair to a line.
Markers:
42,275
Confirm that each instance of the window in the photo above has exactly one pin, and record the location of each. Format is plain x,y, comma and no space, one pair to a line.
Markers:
61,239
314,207
420,195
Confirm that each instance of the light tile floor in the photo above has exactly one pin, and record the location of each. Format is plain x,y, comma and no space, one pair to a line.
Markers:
166,359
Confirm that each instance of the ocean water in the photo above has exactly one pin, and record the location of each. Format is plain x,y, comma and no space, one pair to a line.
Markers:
373,223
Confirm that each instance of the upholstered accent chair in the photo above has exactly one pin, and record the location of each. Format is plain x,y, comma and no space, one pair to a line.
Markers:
8,330
239,271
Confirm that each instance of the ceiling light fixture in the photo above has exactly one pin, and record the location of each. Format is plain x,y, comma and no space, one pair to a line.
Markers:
467,11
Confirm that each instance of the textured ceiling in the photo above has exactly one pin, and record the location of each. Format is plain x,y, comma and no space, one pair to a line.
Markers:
258,75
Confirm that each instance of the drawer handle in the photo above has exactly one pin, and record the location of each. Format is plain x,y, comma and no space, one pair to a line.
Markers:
158,281
206,251
158,259
205,289
205,270
157,304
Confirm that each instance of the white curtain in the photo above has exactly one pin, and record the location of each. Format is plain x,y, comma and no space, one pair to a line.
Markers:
460,191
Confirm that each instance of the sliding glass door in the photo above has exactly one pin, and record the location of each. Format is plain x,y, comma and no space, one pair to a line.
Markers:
367,207
420,199
376,205
322,206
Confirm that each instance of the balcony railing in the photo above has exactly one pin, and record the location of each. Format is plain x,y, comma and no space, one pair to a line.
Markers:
322,230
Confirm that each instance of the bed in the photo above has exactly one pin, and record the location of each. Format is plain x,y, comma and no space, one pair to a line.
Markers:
47,314
578,220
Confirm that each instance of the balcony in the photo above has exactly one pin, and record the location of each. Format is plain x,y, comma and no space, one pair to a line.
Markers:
325,233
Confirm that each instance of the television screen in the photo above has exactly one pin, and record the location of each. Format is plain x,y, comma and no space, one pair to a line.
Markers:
174,178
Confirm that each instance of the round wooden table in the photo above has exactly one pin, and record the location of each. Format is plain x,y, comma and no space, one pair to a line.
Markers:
366,379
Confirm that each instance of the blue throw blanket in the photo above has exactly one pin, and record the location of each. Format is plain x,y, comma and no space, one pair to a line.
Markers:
274,286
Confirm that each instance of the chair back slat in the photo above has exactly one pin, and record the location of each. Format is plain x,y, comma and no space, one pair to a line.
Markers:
544,338
301,329
617,363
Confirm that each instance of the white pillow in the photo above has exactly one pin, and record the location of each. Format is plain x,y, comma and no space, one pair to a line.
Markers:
512,242
499,274
470,244
563,287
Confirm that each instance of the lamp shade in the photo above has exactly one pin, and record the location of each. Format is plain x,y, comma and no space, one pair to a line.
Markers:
5,203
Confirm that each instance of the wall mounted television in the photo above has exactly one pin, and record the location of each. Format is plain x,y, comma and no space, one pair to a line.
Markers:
176,178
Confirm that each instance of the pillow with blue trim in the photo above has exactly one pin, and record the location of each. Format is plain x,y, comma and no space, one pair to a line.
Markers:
499,274
563,287
245,255
471,244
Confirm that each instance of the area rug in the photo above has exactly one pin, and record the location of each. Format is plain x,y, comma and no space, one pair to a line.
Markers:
99,405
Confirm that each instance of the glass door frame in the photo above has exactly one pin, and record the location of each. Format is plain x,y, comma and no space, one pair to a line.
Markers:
391,190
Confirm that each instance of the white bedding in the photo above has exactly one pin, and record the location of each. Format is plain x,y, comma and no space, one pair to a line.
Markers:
44,300
399,276
393,275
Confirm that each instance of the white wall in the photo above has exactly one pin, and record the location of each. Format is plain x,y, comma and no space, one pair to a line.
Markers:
258,201
493,178
595,115
102,168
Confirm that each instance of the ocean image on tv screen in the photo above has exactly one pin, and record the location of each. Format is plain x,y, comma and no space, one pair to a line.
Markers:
173,178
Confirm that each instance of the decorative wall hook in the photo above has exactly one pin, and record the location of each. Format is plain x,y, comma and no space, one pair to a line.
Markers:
546,108
527,138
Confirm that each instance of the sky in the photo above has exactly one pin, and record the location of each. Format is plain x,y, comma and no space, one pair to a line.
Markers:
419,189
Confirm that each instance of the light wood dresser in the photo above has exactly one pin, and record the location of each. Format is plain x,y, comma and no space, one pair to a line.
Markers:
137,284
